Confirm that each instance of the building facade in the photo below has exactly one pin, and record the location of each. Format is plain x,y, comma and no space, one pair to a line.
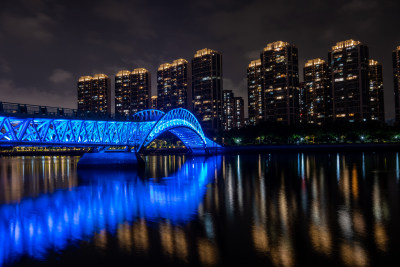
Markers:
164,87
123,93
375,91
239,112
349,61
255,92
132,91
233,113
396,80
207,88
85,93
173,85
316,94
153,102
94,94
229,110
280,71
140,80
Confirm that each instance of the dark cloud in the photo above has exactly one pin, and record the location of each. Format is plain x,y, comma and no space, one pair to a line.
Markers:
31,28
4,66
60,76
45,45
11,92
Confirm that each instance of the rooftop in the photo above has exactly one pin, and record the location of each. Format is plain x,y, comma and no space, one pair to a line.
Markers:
344,44
315,61
255,63
279,45
123,73
140,71
204,52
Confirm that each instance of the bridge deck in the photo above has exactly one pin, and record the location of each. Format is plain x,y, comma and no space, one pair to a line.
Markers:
30,125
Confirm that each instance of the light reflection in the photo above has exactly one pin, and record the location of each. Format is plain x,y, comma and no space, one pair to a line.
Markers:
397,167
260,238
321,238
273,233
363,165
30,176
125,238
100,239
274,208
107,200
141,236
353,254
207,252
173,241
337,167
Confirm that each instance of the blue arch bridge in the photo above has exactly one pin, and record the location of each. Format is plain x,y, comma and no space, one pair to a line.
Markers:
29,125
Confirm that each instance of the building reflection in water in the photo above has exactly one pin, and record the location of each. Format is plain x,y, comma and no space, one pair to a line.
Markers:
337,214
106,201
30,176
277,209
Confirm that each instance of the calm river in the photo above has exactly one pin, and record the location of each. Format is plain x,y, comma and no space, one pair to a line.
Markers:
303,209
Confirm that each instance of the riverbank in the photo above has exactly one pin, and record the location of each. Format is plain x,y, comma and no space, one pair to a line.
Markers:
158,151
245,149
41,153
362,147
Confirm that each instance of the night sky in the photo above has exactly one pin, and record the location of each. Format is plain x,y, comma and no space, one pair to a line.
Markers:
45,45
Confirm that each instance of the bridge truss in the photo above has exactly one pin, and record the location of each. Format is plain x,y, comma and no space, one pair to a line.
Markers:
139,132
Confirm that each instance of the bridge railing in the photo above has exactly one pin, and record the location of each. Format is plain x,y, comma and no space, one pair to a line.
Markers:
55,112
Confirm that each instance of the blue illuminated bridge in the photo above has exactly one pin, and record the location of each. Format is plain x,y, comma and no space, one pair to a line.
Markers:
28,125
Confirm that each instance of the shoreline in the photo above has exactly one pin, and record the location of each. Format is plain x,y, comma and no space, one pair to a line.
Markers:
362,147
245,149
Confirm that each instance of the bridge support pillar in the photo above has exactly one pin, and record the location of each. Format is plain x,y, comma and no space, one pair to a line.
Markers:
109,160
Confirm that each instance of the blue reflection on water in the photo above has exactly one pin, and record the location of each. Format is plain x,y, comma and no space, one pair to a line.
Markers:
52,221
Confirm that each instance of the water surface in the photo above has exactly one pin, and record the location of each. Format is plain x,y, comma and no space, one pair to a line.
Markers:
268,209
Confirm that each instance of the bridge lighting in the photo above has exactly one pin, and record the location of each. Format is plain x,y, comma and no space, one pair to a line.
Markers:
139,132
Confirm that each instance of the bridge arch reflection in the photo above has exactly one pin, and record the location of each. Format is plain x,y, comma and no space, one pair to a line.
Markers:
104,200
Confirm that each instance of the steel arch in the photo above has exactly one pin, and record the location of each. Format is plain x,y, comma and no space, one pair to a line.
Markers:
148,115
181,123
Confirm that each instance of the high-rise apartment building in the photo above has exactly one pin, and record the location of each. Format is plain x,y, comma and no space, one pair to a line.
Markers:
316,94
173,85
153,102
255,92
233,113
280,69
229,110
396,79
132,90
140,81
207,88
349,61
239,112
94,94
123,93
101,93
85,93
164,87
375,92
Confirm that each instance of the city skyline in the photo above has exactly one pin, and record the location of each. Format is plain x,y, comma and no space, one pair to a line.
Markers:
43,31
